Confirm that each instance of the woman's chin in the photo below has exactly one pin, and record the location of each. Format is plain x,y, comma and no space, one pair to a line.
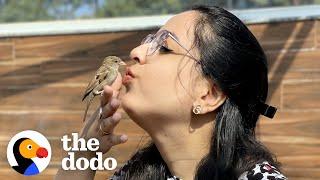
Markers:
125,103
131,106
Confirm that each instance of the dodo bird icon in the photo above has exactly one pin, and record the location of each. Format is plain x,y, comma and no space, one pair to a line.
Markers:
24,150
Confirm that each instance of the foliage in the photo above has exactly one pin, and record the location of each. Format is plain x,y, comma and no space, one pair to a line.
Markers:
39,10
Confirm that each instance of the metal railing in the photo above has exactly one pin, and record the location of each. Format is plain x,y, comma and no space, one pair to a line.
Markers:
250,16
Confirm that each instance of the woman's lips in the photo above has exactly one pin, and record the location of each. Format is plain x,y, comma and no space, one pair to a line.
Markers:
128,76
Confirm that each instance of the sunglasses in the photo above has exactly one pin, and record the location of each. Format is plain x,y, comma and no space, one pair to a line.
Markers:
158,40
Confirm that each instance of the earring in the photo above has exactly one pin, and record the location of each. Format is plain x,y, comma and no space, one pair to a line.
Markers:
197,109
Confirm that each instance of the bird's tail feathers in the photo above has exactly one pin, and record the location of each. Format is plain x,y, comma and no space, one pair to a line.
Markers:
87,108
85,95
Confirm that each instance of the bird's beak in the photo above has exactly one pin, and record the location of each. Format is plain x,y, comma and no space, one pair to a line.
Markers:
42,152
122,63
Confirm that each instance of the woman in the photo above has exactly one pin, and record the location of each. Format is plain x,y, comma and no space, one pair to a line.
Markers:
198,88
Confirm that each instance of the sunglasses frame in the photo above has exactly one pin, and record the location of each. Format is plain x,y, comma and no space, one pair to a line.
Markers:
158,39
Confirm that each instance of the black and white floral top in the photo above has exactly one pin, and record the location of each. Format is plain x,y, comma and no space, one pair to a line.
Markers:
261,171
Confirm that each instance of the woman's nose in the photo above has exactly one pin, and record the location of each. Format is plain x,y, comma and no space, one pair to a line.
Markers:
139,53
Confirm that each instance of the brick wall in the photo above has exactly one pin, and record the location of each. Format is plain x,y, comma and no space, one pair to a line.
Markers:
42,79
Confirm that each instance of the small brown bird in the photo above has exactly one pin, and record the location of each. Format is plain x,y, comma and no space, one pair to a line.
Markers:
105,75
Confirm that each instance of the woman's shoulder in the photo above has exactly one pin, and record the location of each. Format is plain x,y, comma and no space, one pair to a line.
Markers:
262,171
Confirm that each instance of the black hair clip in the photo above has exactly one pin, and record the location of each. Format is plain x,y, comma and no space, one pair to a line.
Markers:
266,110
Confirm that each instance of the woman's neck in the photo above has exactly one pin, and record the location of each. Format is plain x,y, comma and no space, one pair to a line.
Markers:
183,146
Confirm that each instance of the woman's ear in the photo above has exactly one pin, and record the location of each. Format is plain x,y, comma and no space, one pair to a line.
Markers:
209,99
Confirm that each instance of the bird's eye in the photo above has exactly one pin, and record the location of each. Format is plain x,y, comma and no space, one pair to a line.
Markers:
29,147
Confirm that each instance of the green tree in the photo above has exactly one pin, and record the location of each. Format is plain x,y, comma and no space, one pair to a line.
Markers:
23,10
35,10
113,8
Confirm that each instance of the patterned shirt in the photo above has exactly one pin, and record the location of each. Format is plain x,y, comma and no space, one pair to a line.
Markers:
261,171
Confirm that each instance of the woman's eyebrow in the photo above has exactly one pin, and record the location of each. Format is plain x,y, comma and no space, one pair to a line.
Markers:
174,35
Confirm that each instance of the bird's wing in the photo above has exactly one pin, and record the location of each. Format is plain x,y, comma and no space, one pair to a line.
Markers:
102,72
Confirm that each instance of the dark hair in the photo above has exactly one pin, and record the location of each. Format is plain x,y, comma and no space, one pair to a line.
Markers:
231,57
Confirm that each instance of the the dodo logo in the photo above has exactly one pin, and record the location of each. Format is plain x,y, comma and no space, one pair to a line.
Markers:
29,152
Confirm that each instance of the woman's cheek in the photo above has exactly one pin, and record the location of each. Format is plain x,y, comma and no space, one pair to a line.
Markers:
157,86
163,96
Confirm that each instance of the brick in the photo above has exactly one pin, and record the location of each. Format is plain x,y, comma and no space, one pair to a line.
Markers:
88,45
43,97
287,149
280,31
27,61
70,71
290,66
293,61
294,75
57,124
5,40
305,161
288,123
44,71
301,173
6,52
301,95
17,75
290,135
297,45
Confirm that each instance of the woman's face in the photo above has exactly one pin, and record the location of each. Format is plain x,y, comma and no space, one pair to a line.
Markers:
156,97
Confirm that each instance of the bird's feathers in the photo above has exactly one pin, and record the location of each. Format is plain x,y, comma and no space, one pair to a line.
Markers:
101,74
88,105
105,75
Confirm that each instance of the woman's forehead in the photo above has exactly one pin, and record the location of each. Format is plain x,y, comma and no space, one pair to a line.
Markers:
182,26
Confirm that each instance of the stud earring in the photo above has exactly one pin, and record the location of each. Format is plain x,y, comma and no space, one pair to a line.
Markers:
197,109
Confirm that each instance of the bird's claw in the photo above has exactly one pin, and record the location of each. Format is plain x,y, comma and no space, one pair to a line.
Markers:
100,112
98,92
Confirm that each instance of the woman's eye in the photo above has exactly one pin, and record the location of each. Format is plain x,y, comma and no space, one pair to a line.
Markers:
164,49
